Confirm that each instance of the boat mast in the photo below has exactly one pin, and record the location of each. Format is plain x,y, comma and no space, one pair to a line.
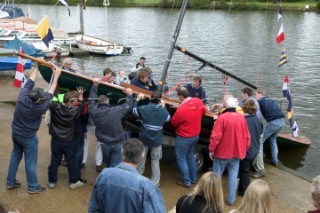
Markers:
207,63
173,43
81,18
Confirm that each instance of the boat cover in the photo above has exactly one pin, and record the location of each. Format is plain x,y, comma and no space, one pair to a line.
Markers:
12,10
27,48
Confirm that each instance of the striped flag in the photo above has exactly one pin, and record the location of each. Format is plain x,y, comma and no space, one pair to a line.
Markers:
19,79
280,36
294,128
283,59
44,31
286,93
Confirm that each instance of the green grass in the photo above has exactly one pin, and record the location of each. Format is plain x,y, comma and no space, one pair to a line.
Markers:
285,5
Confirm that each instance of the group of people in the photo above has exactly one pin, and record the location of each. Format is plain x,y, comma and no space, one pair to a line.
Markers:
236,143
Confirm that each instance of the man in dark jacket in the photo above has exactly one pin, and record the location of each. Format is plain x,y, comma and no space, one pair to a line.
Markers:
152,117
144,80
196,90
64,135
108,120
273,114
31,105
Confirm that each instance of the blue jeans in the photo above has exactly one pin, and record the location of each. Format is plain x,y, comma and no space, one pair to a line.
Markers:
232,164
111,154
271,132
28,147
185,159
58,148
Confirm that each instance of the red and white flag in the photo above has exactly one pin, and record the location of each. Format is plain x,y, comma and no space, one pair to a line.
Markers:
280,36
19,79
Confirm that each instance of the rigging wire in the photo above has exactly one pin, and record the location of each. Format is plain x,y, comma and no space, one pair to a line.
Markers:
105,4
173,9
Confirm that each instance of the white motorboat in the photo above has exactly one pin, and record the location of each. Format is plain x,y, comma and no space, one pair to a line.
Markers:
98,46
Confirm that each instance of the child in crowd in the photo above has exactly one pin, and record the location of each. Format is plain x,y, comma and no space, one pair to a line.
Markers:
122,77
108,76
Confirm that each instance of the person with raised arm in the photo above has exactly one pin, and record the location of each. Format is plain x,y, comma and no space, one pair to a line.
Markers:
64,134
32,103
152,117
108,120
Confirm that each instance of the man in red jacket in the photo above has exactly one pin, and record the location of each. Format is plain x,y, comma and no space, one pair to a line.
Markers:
229,142
187,123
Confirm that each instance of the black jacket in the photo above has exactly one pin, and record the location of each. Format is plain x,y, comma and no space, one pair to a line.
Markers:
62,123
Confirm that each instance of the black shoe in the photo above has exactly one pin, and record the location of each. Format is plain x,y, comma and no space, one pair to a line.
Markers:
16,184
37,190
240,193
180,183
99,168
257,175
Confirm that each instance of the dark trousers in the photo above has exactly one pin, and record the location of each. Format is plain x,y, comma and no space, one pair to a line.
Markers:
68,149
244,175
79,154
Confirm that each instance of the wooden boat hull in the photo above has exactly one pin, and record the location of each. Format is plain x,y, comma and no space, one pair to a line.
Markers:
98,46
115,93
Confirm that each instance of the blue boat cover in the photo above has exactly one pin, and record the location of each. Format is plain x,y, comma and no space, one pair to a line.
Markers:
13,10
27,48
7,63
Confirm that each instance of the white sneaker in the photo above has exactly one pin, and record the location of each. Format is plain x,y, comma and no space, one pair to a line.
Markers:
75,185
51,185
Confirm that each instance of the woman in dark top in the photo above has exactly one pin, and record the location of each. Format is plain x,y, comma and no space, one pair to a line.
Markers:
206,197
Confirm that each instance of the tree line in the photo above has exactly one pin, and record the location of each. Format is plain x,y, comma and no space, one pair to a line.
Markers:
193,4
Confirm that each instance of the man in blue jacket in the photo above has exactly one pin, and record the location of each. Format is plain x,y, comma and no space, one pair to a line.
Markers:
152,117
123,189
272,113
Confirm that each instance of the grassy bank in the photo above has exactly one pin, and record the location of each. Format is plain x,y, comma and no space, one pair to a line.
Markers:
194,4
234,5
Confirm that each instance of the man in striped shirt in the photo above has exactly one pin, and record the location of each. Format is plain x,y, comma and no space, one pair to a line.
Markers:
152,117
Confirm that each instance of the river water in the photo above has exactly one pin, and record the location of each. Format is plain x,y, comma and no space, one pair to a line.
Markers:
241,42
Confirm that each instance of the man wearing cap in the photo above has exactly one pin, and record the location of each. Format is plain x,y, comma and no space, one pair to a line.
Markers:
31,105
